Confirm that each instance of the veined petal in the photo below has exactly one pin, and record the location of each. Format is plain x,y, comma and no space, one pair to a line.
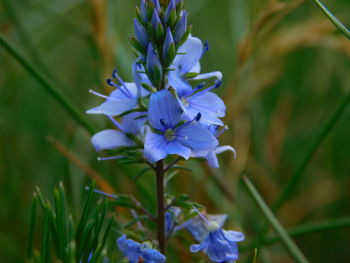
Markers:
133,123
110,139
196,137
175,147
208,103
130,248
155,147
233,236
114,107
221,252
215,74
153,256
163,106
178,82
192,49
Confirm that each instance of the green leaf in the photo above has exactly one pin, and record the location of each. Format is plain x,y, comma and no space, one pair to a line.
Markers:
123,201
287,242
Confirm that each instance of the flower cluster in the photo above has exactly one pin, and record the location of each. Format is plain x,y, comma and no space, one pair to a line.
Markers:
169,109
163,112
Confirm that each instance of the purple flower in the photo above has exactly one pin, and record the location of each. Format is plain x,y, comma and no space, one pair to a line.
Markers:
137,252
220,245
187,61
174,135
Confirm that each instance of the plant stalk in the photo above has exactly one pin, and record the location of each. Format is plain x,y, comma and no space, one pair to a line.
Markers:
160,172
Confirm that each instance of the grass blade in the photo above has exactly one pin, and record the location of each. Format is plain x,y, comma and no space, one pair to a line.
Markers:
334,20
46,236
306,229
289,187
53,90
32,226
287,242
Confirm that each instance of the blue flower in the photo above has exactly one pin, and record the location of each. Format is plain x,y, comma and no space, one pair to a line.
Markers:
220,245
137,252
173,134
211,156
187,61
110,139
198,227
202,100
170,218
122,99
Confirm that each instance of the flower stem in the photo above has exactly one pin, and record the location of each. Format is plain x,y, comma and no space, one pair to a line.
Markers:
160,172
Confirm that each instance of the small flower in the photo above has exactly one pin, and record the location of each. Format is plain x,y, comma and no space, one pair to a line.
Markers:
122,99
220,245
203,101
173,134
170,218
199,228
187,62
138,253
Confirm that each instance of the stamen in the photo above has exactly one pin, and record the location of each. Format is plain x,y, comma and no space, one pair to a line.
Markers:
205,47
103,193
221,131
195,119
122,89
109,158
116,123
205,219
115,75
199,87
102,96
218,83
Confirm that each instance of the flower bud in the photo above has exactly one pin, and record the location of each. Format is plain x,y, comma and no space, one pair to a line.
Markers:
181,27
141,34
153,66
169,51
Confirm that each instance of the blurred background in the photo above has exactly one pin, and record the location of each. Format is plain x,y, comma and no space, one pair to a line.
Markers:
286,71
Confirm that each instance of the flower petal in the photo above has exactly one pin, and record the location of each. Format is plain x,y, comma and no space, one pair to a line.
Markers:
207,103
192,49
110,139
178,82
114,107
153,256
155,147
130,248
233,236
215,74
175,147
196,137
225,148
163,106
134,122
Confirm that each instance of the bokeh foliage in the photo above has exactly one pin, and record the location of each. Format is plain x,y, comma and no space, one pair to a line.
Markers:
285,72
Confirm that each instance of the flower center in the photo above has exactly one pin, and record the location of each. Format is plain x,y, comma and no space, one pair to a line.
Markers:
185,102
169,135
